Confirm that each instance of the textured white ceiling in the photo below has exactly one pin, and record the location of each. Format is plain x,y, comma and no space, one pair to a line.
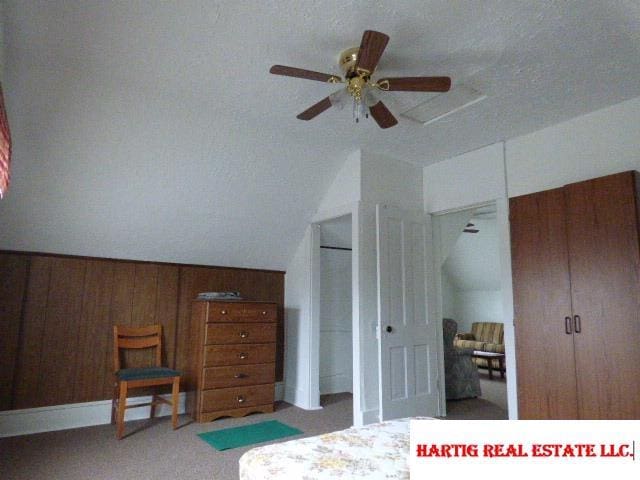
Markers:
175,96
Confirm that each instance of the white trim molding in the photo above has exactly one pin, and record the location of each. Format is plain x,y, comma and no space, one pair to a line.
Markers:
77,415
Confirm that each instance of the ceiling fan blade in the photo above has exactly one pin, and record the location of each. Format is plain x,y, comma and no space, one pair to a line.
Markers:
371,47
382,115
301,73
416,84
316,109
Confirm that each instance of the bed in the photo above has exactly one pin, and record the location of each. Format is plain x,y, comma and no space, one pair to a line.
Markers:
379,450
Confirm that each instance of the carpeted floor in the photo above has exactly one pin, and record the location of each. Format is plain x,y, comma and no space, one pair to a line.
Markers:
153,450
492,405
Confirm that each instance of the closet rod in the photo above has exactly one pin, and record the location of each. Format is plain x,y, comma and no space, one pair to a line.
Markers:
334,248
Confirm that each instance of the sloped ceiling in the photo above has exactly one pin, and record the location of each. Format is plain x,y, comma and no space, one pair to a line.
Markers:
153,130
474,261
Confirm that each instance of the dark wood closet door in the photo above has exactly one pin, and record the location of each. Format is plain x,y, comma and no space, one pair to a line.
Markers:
542,301
602,232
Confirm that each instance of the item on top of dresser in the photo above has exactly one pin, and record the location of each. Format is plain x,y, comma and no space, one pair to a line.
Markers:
219,296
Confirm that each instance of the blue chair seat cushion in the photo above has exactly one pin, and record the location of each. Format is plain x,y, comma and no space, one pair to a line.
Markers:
145,373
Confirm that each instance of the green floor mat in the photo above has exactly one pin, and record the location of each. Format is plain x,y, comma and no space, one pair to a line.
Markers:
248,434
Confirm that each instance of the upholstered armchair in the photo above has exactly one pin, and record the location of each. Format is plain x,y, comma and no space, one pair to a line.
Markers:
460,373
484,336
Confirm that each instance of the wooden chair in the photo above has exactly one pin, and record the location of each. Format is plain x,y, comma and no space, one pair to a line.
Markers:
127,378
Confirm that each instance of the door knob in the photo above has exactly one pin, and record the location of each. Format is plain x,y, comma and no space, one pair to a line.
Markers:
389,328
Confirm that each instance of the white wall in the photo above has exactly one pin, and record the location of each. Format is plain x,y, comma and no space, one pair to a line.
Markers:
301,361
297,349
345,188
476,306
391,181
474,261
600,143
384,181
335,321
447,292
472,272
469,179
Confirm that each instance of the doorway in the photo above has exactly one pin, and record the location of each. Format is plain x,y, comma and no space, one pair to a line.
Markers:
471,292
335,314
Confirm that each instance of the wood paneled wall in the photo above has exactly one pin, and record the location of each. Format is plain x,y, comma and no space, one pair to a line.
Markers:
57,314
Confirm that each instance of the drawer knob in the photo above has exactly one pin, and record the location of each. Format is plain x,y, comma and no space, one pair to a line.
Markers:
240,375
243,356
223,312
264,312
240,399
244,334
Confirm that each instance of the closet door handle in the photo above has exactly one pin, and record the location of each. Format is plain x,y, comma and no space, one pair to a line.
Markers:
577,323
567,325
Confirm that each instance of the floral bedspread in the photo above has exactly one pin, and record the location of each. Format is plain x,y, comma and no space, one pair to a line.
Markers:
379,450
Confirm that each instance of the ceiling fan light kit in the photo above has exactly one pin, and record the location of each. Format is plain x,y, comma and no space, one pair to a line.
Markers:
358,65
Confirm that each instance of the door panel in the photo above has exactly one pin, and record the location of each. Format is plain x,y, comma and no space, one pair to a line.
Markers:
542,301
408,340
605,276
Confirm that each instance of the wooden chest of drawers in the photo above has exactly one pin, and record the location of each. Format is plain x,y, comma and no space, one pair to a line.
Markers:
232,368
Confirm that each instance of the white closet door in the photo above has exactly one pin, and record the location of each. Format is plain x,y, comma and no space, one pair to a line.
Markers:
407,347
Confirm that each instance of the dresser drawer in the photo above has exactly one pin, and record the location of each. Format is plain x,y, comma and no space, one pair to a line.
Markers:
238,375
225,333
237,397
220,355
242,312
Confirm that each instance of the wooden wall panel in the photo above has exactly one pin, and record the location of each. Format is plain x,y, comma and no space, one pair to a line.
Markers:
167,309
61,311
25,390
93,355
58,362
122,298
13,280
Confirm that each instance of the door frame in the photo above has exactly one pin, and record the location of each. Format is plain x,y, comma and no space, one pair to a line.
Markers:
314,314
504,239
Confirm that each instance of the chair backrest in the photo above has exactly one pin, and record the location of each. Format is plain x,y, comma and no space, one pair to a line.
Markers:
137,338
449,330
491,332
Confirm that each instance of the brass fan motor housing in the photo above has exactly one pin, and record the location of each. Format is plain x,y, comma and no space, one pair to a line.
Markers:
347,61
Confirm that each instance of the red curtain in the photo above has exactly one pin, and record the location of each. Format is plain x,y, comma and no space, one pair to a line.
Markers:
5,147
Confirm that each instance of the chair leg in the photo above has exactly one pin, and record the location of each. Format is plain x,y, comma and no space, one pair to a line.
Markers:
114,403
152,409
122,406
174,402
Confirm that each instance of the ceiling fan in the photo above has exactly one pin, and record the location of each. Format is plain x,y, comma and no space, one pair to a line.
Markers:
470,228
358,65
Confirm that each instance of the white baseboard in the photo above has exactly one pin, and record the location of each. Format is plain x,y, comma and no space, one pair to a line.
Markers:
335,384
299,398
76,415
279,392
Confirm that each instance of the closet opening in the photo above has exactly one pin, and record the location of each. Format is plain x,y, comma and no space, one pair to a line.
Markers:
335,363
471,300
